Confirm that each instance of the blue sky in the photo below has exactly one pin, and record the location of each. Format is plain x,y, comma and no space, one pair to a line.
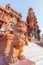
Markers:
23,6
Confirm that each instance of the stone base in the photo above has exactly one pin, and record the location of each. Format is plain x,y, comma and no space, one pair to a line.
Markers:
24,62
20,62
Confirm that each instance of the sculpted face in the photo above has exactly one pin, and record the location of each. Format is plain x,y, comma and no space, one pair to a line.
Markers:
19,34
11,23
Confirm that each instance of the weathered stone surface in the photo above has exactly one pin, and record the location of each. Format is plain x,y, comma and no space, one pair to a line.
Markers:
25,62
5,44
21,62
20,38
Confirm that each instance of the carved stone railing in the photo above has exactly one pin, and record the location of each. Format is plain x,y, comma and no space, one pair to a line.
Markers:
5,44
36,41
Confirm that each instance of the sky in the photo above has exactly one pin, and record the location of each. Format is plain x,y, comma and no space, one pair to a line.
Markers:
23,6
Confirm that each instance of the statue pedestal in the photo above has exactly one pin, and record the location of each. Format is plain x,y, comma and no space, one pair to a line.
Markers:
21,62
24,63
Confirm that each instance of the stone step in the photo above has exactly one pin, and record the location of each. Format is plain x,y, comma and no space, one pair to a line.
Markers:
40,62
26,62
33,52
2,61
20,62
36,59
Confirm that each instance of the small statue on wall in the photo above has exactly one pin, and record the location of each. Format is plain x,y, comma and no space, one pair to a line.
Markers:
10,25
8,7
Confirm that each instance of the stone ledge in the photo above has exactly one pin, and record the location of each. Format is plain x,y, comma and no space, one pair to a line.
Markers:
21,62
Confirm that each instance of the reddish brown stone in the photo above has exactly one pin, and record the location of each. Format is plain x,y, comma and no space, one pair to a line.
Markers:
20,62
32,24
25,62
5,44
13,33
